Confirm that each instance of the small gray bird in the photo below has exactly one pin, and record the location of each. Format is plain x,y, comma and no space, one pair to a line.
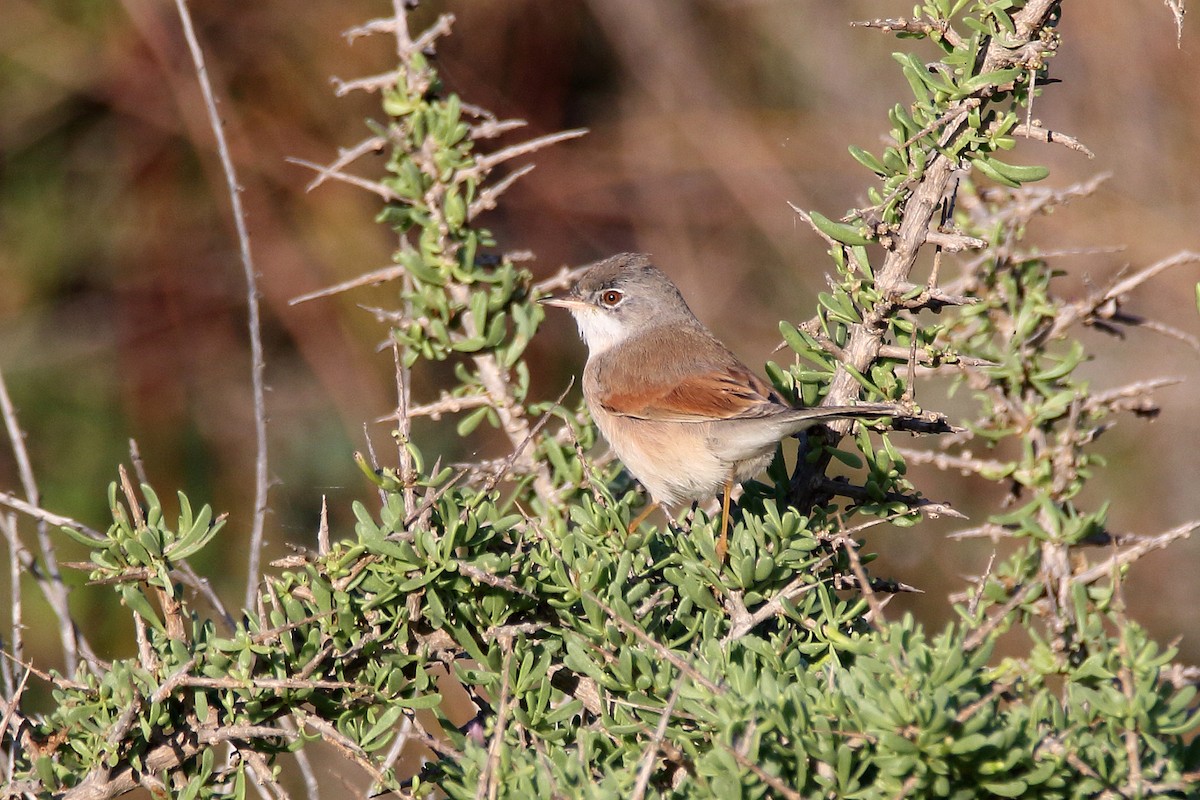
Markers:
684,415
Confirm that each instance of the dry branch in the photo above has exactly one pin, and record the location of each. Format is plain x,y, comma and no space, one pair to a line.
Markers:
257,364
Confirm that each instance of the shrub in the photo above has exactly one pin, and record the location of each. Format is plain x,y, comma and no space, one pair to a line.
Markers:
603,663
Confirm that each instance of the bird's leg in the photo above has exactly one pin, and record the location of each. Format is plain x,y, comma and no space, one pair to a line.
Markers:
723,541
691,515
640,518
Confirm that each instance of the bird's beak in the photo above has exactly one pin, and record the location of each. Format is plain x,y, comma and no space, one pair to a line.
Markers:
569,302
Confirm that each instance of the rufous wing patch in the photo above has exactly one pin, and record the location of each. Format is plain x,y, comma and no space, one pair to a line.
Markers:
728,394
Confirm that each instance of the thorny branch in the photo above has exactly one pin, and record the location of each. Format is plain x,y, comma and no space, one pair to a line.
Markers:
494,377
925,201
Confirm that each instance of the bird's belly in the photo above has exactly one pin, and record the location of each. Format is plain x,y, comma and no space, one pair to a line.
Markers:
748,468
673,461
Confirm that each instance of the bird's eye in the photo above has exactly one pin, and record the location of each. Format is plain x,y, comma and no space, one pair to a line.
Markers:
611,298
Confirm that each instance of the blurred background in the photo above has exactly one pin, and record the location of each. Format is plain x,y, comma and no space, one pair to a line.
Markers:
122,303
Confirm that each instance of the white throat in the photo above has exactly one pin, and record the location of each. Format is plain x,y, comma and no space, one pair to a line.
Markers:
600,330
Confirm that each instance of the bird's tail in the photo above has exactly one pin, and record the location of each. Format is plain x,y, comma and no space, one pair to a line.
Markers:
801,418
853,412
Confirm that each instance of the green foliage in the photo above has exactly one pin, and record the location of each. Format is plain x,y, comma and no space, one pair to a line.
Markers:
455,303
605,663
973,80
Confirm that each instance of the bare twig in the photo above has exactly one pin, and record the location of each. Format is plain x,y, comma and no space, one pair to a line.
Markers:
311,786
19,559
500,632
446,404
139,466
963,462
273,684
924,359
346,156
55,679
403,432
489,781
393,754
1103,307
17,437
374,462
204,589
927,27
774,781
1176,8
262,774
745,622
342,743
514,423
258,365
101,783
1021,595
808,220
851,549
431,496
986,531
487,198
1135,397
957,112
11,715
565,278
369,279
1170,332
1054,746
1137,279
323,529
491,579
980,585
17,504
397,25
930,508
371,83
1035,131
660,732
954,243
486,163
1180,675
490,128
375,187
1133,553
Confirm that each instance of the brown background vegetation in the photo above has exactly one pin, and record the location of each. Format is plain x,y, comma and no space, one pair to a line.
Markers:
121,297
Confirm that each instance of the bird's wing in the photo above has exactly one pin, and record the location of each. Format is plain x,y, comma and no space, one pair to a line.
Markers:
716,388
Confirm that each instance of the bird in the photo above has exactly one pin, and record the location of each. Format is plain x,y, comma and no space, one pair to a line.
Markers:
684,415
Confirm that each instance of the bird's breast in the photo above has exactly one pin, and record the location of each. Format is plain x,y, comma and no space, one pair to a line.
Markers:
672,460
